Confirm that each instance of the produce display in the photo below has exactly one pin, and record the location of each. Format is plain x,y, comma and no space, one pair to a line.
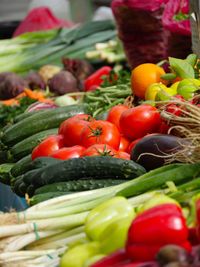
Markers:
105,155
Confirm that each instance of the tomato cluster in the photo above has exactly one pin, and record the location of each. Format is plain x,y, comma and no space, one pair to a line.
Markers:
82,135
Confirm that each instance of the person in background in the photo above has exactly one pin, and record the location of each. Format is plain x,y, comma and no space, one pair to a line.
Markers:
9,200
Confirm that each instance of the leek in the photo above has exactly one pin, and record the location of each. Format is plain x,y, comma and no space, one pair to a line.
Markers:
30,51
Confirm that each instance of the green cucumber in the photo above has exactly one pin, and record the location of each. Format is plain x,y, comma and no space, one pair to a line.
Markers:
97,167
3,156
50,118
19,185
5,173
44,161
26,146
77,185
21,166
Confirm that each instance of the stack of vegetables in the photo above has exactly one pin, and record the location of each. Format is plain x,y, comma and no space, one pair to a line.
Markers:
112,160
90,225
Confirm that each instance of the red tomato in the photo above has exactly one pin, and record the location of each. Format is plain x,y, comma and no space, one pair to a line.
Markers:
68,152
47,146
124,143
115,113
72,127
122,155
99,150
134,142
139,121
100,132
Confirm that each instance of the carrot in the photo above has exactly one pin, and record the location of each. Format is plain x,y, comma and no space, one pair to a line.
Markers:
32,94
29,93
9,102
12,101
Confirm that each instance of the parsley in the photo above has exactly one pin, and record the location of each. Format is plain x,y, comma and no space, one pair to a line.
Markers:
7,113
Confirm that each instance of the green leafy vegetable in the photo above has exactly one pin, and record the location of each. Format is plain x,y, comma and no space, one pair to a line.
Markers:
182,68
7,113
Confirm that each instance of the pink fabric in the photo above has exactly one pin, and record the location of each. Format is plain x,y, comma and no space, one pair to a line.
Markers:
39,19
151,5
172,8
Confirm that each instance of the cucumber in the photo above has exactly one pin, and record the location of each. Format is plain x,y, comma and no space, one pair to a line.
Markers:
19,185
21,166
5,173
26,146
97,167
77,185
3,156
44,161
50,118
42,197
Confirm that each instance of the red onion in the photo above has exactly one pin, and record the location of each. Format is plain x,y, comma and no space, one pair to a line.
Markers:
40,105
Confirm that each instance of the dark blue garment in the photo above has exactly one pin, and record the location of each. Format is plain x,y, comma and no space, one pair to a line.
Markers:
9,200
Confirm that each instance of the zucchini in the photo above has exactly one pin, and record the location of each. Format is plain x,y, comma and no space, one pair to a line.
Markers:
50,118
26,146
26,115
102,116
42,197
77,185
21,166
97,167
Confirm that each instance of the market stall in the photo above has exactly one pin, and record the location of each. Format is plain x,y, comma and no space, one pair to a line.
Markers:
100,139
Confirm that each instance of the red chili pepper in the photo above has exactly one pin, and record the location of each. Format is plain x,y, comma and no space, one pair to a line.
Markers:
154,228
117,258
95,80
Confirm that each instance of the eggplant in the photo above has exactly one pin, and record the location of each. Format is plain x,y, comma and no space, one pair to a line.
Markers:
157,150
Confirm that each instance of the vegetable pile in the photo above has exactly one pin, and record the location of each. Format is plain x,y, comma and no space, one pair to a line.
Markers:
111,179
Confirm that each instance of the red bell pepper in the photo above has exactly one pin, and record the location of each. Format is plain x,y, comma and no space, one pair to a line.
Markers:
198,219
154,228
95,80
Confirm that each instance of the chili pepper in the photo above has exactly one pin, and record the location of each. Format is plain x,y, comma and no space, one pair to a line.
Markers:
106,213
154,228
95,80
117,258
